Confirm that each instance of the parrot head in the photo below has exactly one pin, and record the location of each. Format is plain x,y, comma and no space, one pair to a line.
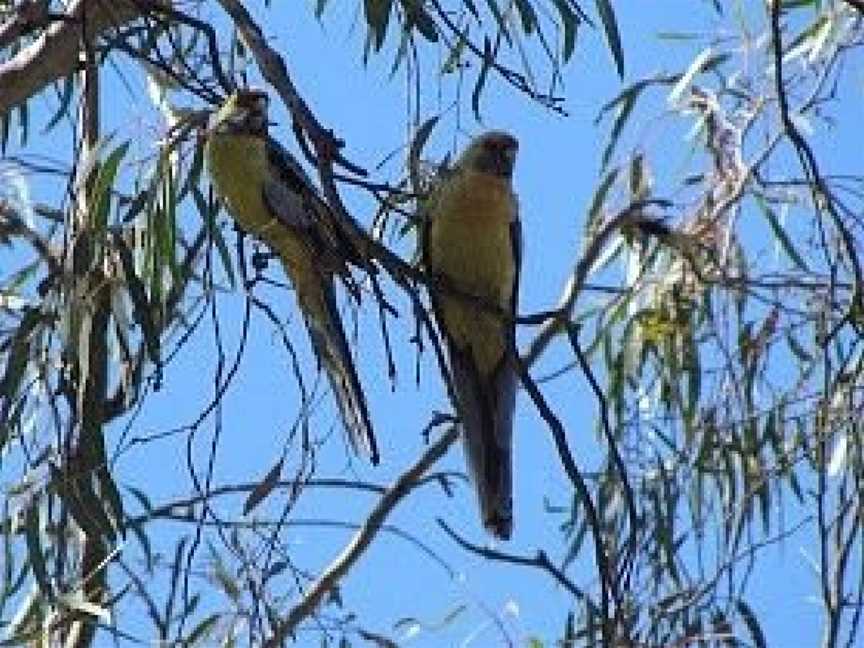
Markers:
493,152
243,113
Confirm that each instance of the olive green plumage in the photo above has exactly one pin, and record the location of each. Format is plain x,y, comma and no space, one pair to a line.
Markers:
268,193
471,238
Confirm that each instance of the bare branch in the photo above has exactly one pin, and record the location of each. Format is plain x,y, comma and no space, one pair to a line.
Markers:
362,539
55,54
540,561
27,16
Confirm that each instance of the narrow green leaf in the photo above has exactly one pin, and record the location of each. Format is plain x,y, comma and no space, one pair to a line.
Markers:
781,236
495,10
570,25
453,62
677,36
4,132
100,200
576,543
194,173
264,487
17,359
401,51
141,308
170,242
111,497
416,148
625,108
595,210
613,38
222,576
797,348
176,570
569,637
139,533
694,377
638,178
19,581
153,236
76,492
795,485
419,19
377,17
157,261
9,557
527,14
32,533
421,137
715,61
764,494
201,632
794,4
488,59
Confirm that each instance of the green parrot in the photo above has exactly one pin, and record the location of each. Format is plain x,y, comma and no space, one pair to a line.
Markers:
472,238
271,197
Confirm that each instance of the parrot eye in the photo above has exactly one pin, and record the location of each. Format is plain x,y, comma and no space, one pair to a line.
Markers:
501,145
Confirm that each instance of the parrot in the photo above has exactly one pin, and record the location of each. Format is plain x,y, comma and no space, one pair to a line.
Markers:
270,196
471,238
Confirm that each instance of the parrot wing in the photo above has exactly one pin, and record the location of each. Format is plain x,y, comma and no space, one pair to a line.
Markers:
289,196
329,237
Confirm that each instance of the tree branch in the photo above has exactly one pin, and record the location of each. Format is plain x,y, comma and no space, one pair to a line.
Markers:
362,539
27,16
539,561
55,54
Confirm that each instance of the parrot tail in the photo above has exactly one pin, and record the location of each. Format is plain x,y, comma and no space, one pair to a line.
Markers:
487,425
331,347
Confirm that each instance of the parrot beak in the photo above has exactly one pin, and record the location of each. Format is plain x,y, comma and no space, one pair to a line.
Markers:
509,154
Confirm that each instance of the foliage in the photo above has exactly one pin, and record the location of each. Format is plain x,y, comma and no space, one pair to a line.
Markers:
715,311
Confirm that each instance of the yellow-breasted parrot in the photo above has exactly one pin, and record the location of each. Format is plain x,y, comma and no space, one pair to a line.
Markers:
472,240
270,196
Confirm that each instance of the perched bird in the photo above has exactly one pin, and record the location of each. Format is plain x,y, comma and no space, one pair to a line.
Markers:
271,197
472,240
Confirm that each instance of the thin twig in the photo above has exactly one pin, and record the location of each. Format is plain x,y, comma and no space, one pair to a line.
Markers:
540,561
361,540
623,578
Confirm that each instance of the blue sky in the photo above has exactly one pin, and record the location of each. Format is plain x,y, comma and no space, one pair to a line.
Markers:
557,172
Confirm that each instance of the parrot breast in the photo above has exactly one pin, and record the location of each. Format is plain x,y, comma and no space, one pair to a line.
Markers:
239,168
471,244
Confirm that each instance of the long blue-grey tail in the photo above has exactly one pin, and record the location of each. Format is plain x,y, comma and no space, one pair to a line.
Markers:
486,410
331,347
